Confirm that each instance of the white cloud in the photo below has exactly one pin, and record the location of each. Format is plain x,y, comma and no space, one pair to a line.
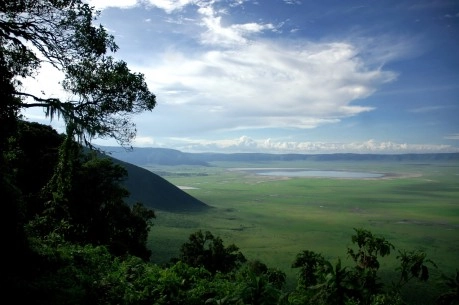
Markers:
143,141
292,2
168,6
247,144
454,136
218,35
102,4
426,109
248,82
237,2
266,84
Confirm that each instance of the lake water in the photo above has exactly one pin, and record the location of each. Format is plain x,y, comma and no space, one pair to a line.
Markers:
318,173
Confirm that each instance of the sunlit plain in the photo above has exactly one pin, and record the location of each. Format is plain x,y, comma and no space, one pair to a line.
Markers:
416,207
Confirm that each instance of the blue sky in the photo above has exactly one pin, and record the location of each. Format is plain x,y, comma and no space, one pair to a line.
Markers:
291,76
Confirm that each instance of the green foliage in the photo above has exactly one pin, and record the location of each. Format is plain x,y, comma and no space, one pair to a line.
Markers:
63,33
334,286
273,276
66,273
41,187
325,283
369,248
94,208
309,263
82,201
387,299
364,277
413,264
276,277
451,294
258,291
205,250
62,273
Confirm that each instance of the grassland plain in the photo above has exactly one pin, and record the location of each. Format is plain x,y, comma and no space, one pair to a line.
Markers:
272,219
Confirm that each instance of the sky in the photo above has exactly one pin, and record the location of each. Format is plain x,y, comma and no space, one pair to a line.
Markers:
289,76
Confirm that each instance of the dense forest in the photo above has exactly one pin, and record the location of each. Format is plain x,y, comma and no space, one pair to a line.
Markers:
72,237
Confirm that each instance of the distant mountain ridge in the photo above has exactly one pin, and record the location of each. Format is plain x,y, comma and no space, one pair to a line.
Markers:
163,156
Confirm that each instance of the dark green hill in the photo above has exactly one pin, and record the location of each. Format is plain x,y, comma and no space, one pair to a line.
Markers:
38,148
156,192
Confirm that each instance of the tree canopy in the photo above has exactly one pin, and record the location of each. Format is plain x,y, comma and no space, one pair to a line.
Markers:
53,192
103,93
208,251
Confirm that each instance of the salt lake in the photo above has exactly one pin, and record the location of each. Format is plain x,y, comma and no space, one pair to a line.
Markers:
314,173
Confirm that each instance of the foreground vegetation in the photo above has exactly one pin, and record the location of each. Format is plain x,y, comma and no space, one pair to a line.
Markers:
90,247
71,238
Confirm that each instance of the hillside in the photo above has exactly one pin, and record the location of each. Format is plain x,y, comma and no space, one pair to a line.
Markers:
156,192
161,156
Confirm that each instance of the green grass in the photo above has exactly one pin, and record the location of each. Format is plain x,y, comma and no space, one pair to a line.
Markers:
274,219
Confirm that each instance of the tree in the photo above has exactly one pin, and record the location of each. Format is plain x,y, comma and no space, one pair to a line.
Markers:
333,286
369,249
99,214
104,93
93,210
259,291
413,264
93,216
310,264
205,250
36,154
274,276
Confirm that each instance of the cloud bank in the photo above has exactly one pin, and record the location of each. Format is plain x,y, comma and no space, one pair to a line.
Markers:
268,85
246,144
